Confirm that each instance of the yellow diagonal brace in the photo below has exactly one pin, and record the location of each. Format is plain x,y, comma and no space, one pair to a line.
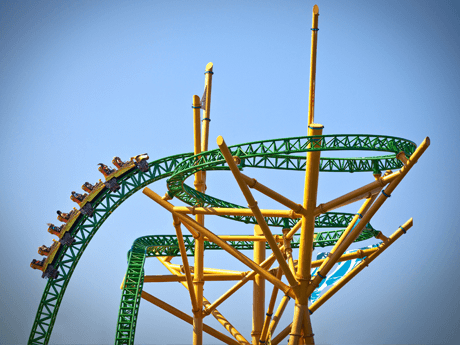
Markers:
253,183
183,254
363,264
252,204
219,317
214,238
330,261
220,211
271,306
183,316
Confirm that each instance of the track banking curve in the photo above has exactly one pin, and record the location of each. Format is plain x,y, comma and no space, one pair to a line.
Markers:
268,154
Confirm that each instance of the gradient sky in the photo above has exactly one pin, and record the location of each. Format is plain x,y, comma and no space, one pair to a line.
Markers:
84,81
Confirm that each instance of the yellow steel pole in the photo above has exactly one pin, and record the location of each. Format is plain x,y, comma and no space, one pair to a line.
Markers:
199,241
214,238
206,277
183,254
345,257
258,295
208,270
234,212
198,284
381,182
252,204
250,276
281,335
363,264
181,315
279,313
307,330
206,104
253,183
271,306
197,138
217,315
307,232
288,250
331,260
314,43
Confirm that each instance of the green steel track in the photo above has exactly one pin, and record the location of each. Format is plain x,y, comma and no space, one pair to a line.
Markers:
269,154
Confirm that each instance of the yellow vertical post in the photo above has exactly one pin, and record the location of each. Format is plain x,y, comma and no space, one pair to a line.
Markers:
198,285
199,241
307,232
258,303
279,312
206,106
269,313
196,105
314,41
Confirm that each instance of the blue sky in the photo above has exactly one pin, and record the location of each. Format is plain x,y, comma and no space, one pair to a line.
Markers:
84,81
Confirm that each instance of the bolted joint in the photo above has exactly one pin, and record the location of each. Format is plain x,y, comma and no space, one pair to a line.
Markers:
237,160
402,157
253,183
197,313
167,196
253,206
381,236
388,172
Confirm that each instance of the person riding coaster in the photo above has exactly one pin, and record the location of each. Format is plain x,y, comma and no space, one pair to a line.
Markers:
105,170
78,198
64,217
53,229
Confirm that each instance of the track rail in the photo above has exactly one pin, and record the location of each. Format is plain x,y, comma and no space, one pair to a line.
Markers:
269,154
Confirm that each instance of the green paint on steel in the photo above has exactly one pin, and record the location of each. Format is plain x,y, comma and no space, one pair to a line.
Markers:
277,154
269,154
131,297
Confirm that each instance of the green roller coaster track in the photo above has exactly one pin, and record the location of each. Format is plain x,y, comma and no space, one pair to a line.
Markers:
269,154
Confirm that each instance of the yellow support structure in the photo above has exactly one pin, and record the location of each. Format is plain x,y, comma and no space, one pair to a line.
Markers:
269,313
181,315
314,43
183,253
297,272
214,238
217,315
307,232
199,241
252,204
258,298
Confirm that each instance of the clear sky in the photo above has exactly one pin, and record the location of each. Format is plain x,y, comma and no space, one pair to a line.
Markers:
81,82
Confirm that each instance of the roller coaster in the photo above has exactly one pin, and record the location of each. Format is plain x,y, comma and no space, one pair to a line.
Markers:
310,283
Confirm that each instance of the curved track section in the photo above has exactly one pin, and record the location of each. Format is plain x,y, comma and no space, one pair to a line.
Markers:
270,154
280,154
83,230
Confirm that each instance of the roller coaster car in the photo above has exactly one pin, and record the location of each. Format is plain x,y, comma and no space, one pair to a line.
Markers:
78,198
141,162
38,265
64,217
105,170
52,229
119,163
87,187
44,250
